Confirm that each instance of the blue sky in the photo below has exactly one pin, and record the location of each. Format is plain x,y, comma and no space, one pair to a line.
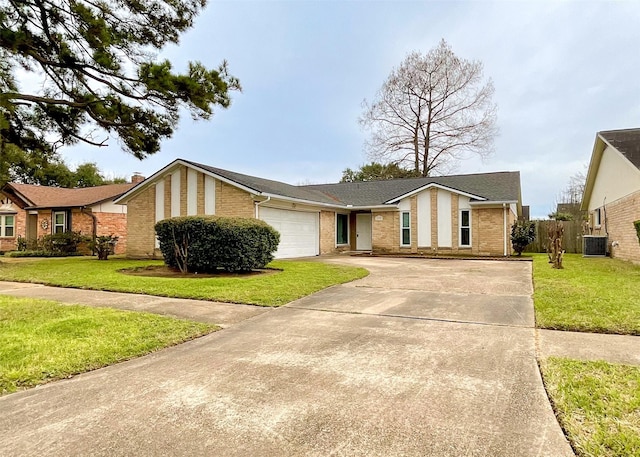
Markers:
562,71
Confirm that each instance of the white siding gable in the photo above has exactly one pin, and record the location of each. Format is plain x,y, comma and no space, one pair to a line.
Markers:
209,195
424,219
616,178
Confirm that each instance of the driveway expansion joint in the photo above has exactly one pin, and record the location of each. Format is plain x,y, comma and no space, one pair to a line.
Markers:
401,316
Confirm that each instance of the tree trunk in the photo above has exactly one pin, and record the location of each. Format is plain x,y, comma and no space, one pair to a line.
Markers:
554,250
416,148
427,145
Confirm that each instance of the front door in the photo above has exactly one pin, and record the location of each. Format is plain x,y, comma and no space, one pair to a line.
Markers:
363,231
32,227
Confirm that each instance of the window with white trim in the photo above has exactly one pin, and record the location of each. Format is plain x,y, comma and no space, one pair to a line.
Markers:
465,228
342,229
597,217
405,228
7,225
59,222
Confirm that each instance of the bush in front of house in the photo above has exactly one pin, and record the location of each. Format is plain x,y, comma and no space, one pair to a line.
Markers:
62,243
39,253
522,234
55,245
206,244
104,245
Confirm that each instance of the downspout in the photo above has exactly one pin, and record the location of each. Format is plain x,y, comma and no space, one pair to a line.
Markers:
94,225
504,207
260,203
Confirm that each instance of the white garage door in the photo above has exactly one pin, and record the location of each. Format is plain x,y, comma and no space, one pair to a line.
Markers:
298,231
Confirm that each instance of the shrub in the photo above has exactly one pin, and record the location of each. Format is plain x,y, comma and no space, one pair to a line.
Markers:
62,243
104,245
522,234
205,244
39,253
636,224
21,244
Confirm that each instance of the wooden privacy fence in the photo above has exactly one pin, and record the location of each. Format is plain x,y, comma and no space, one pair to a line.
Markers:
571,242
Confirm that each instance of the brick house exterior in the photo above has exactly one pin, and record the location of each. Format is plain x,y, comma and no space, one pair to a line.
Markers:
31,211
612,191
463,214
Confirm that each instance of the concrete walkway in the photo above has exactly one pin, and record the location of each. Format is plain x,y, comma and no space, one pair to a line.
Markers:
222,314
622,349
419,358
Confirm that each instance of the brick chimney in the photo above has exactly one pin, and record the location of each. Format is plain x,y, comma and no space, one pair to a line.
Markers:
136,178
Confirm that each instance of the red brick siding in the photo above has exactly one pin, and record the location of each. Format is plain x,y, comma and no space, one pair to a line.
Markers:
113,224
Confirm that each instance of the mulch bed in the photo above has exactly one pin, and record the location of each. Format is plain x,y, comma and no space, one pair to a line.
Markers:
162,271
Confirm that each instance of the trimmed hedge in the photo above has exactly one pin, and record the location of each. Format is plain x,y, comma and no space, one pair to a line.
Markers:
38,253
205,244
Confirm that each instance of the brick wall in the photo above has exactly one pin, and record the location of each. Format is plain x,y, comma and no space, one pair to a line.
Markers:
183,191
233,202
9,243
385,231
44,215
455,231
434,218
113,224
620,217
488,231
327,232
81,222
141,216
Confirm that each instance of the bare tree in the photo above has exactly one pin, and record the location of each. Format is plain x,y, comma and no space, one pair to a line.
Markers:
431,112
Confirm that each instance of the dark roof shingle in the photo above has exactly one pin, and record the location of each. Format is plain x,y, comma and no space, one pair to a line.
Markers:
268,186
500,186
60,197
626,141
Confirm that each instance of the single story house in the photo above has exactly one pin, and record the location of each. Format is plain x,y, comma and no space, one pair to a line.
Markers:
32,211
612,191
464,214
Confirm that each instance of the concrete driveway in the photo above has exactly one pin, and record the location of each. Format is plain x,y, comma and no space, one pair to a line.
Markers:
423,357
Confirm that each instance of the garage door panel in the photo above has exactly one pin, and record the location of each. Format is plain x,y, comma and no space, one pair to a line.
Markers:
298,231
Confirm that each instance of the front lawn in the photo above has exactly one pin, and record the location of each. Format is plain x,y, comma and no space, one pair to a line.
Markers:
589,295
296,279
597,405
41,340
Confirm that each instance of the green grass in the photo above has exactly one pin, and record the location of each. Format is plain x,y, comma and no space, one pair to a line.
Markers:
296,279
599,295
41,340
597,404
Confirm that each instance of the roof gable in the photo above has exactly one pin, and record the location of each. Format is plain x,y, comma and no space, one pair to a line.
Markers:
627,142
624,143
501,186
35,196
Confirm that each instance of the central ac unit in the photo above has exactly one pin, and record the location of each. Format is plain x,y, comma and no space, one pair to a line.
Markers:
594,246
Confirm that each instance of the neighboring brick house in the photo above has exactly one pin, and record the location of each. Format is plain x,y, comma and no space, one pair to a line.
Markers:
463,214
612,191
31,211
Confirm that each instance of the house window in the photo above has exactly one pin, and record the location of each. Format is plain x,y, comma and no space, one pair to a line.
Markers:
59,222
465,227
7,225
597,219
342,229
405,229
